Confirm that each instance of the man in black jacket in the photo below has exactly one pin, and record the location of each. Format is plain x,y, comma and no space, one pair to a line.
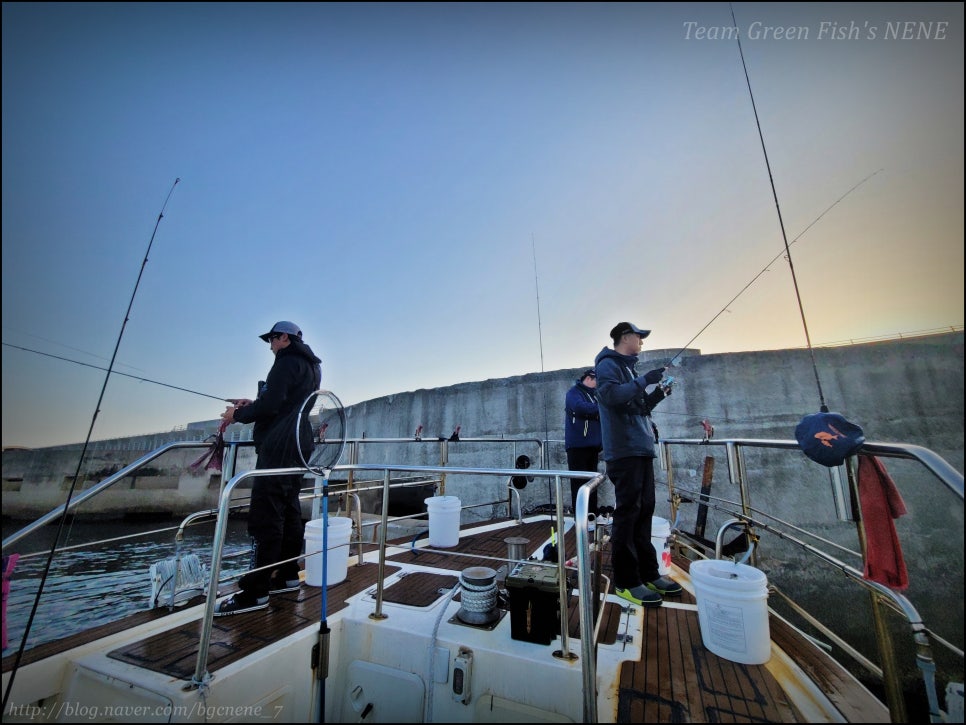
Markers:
275,514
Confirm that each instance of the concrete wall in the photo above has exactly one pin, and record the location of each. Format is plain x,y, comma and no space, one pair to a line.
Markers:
907,390
898,391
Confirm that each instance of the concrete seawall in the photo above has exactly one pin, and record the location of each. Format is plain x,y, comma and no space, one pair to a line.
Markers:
899,391
907,390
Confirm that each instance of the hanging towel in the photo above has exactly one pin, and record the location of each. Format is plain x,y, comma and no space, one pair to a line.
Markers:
881,503
9,562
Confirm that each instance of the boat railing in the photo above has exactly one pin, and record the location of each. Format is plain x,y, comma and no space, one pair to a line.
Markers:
229,464
755,522
354,447
97,489
586,611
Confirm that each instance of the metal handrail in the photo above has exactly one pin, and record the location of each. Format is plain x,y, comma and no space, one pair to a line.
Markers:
947,475
935,464
201,675
930,460
97,489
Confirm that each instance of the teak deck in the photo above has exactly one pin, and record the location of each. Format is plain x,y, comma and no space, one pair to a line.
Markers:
676,679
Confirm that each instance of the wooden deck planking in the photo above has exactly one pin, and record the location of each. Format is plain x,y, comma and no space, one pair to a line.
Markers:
486,544
174,652
676,679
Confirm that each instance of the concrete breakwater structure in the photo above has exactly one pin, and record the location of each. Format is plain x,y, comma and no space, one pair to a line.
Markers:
908,390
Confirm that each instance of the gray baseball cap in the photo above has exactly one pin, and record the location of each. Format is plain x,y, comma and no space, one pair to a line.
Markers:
289,328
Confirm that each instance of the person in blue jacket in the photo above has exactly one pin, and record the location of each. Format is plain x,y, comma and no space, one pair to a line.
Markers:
582,433
629,442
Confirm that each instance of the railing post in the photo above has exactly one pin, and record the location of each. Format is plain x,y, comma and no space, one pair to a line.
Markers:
443,462
883,638
382,548
562,589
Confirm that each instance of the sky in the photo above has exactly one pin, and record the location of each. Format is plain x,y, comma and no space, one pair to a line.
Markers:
443,193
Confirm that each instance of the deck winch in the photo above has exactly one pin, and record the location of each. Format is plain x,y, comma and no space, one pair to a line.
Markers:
479,596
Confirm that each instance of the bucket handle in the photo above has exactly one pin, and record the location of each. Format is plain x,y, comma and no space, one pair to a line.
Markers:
720,538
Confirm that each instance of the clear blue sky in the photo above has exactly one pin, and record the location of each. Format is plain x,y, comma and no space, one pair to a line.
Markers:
385,175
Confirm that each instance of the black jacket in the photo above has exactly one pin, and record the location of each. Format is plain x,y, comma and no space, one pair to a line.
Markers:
296,374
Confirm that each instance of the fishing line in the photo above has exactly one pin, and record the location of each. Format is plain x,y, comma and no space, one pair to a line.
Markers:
765,268
546,422
127,375
73,485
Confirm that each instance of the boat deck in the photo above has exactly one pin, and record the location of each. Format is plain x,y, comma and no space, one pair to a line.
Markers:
676,679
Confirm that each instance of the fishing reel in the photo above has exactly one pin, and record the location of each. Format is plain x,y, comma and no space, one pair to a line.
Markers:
666,384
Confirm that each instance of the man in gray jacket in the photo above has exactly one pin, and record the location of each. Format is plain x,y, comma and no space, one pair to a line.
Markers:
629,450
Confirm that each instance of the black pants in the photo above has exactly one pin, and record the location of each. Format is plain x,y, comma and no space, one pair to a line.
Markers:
632,553
582,459
275,525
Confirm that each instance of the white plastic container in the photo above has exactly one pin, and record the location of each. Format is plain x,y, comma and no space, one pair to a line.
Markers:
337,557
444,521
733,610
660,531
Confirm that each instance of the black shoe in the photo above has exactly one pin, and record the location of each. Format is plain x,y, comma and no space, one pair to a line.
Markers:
280,586
240,602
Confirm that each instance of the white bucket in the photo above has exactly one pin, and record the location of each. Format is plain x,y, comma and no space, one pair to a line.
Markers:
337,557
733,610
660,531
444,521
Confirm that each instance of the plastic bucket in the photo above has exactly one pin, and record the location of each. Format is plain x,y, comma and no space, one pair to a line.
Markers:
660,531
733,610
444,521
337,557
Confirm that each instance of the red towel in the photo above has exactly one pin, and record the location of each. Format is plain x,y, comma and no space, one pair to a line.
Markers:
880,502
9,562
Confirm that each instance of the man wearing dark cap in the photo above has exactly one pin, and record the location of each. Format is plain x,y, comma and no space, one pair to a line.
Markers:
629,450
582,433
274,513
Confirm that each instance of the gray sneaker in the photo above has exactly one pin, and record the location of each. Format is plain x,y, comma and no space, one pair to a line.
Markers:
664,585
640,595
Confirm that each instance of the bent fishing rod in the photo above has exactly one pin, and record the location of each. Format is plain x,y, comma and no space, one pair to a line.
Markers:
80,461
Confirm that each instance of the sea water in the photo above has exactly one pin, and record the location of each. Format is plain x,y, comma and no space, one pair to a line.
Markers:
101,583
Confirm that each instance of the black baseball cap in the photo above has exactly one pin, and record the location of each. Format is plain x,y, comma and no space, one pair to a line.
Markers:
623,328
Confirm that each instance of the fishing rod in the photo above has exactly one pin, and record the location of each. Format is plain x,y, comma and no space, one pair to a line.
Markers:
80,461
536,285
778,210
826,438
765,268
116,372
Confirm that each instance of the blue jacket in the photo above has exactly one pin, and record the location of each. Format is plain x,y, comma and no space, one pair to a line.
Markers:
582,421
625,407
